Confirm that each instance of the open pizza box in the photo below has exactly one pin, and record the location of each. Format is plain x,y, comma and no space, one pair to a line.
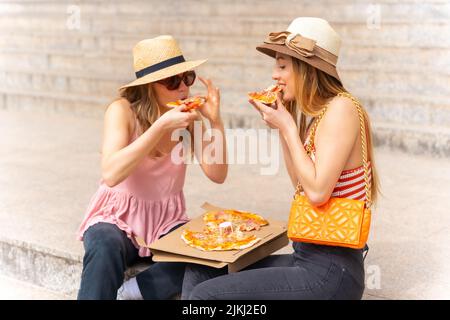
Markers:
171,248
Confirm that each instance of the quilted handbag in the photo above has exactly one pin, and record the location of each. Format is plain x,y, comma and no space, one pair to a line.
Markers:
340,222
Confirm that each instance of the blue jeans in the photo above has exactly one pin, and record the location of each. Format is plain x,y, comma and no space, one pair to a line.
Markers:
311,272
108,253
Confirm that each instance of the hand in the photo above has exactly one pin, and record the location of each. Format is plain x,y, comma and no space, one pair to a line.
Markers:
210,109
176,118
278,118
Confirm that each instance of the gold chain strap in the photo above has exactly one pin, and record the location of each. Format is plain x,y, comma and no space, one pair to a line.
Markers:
362,125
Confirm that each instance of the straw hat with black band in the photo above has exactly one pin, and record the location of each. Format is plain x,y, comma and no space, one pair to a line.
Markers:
311,40
158,58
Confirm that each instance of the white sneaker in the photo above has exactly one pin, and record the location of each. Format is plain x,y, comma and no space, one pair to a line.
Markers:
129,290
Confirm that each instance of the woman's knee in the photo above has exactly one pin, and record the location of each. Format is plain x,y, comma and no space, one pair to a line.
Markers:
196,274
203,291
104,240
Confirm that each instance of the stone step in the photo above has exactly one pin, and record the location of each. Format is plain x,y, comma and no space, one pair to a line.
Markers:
240,56
249,62
13,289
43,103
404,110
41,266
389,34
38,243
60,82
385,101
354,36
55,92
337,11
45,273
57,272
389,87
414,137
52,103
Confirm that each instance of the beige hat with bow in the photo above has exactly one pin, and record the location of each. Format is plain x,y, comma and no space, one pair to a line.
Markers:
311,40
159,58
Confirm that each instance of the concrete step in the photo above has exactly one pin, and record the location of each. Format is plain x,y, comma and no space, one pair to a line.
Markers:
53,103
251,65
398,107
51,170
395,36
40,193
338,11
13,289
45,268
407,110
219,47
390,34
391,92
398,127
234,116
414,140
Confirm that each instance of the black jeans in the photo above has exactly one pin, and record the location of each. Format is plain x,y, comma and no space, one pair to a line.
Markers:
311,272
108,253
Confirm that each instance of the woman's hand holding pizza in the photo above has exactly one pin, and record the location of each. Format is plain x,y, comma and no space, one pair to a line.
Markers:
176,118
278,118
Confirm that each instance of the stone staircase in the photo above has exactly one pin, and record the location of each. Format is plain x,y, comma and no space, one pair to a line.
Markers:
399,67
395,56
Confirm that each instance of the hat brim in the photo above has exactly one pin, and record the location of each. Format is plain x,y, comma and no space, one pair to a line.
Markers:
271,50
165,73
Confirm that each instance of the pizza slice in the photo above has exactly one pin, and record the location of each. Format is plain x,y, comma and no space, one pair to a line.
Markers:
214,241
242,221
190,103
266,96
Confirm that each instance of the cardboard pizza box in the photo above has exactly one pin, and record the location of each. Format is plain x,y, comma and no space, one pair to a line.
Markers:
171,248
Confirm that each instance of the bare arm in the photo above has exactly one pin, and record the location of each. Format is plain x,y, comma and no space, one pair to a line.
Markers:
336,136
215,167
120,158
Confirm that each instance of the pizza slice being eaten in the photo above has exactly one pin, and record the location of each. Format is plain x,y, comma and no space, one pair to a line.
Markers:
266,96
190,103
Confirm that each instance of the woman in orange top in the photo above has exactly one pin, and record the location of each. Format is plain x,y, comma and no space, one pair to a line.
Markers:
305,69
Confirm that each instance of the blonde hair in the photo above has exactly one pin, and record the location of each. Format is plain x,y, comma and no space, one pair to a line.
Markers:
143,102
144,105
313,89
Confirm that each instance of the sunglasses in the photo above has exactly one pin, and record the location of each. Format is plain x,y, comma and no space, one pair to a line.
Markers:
173,83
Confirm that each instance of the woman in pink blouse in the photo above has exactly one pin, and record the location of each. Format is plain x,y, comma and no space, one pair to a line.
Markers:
141,191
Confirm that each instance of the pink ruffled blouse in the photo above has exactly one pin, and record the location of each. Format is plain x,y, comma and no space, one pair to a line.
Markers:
147,204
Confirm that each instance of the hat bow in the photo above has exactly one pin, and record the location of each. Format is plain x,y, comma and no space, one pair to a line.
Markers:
294,41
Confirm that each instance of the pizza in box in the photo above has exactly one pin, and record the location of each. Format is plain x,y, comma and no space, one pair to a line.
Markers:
225,230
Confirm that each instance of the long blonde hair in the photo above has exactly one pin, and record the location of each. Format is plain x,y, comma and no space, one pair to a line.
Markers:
143,102
313,89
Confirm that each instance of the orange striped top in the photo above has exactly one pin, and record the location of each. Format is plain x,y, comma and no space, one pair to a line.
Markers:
351,184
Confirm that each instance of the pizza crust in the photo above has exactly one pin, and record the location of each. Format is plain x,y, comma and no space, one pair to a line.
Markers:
191,103
208,243
266,96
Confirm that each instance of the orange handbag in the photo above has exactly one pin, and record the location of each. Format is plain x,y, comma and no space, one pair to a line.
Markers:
340,222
